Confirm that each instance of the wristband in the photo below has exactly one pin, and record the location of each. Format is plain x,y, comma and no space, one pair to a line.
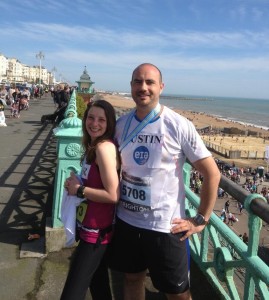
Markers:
80,192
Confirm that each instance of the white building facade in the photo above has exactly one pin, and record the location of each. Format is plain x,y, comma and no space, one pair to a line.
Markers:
12,71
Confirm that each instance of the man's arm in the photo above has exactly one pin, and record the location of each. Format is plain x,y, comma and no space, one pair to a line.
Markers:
208,195
211,178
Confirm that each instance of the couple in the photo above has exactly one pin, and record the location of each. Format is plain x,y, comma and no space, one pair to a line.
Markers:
151,231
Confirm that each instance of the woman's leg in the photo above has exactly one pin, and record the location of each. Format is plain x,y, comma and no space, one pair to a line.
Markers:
85,262
100,286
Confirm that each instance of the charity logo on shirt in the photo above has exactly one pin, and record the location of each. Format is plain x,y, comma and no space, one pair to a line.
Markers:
145,150
141,155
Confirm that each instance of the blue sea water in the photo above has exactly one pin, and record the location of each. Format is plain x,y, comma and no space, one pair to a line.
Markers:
247,111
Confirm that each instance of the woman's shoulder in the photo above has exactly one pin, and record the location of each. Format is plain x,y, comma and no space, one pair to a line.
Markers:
106,144
107,151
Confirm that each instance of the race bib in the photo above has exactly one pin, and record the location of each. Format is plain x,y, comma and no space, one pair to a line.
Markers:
81,211
85,171
135,192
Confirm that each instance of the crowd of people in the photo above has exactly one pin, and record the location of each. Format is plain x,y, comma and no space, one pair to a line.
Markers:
14,100
60,95
248,178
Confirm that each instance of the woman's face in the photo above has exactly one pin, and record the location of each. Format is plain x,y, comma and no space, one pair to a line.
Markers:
96,122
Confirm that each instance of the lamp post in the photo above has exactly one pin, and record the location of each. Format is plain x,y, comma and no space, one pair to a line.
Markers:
53,72
40,56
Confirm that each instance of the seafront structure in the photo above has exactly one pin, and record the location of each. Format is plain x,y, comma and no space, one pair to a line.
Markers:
85,88
85,83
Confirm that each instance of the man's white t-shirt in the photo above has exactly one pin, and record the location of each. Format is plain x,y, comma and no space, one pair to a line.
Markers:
152,188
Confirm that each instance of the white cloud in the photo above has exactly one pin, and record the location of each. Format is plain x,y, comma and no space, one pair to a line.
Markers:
62,34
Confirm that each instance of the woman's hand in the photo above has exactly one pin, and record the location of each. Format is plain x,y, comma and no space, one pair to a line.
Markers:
72,184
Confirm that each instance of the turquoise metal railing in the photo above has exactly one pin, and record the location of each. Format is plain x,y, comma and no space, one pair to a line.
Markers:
69,135
231,266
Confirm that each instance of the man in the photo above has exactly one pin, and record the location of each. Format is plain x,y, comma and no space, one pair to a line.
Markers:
26,92
151,227
226,205
63,98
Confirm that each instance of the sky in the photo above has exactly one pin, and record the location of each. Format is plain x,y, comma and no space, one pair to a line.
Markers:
203,47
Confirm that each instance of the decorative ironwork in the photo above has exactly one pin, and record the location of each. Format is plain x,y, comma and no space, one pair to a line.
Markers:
234,270
73,149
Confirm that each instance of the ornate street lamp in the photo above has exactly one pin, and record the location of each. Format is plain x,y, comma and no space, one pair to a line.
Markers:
40,56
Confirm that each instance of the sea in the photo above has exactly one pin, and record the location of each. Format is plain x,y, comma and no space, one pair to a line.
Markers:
254,112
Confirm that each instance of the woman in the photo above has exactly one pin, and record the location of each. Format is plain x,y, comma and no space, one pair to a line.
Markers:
2,113
3,97
100,166
16,95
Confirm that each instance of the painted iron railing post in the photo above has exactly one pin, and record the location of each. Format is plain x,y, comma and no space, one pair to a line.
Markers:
223,256
69,135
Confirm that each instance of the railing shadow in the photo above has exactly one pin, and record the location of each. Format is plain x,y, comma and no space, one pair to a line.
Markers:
31,178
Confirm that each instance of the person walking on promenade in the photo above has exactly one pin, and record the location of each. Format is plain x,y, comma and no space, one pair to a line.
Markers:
2,113
230,219
226,206
151,230
245,238
16,96
240,207
63,102
56,94
223,215
100,167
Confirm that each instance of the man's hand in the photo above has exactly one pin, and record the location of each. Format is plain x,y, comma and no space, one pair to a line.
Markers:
187,226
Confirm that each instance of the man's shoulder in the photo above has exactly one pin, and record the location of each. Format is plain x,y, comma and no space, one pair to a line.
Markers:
172,116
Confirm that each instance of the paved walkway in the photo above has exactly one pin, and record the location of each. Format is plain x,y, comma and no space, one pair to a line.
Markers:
27,165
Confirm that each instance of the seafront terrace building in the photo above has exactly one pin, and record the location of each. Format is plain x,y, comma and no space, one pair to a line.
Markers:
13,71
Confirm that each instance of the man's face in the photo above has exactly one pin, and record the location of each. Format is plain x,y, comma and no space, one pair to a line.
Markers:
146,86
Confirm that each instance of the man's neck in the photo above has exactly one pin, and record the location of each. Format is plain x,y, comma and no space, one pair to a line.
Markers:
142,112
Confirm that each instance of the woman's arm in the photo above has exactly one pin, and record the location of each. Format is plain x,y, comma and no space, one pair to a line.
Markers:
107,161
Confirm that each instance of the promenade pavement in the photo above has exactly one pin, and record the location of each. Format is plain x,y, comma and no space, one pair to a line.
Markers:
242,225
27,166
